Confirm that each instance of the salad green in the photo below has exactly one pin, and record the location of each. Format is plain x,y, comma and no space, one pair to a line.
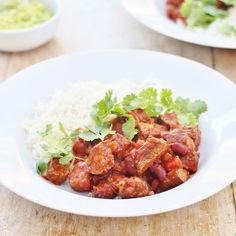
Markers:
201,13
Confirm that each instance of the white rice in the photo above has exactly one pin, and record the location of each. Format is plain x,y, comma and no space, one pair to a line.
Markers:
72,108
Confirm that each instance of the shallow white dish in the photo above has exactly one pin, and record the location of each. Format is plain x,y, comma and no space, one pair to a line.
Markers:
20,94
26,39
152,13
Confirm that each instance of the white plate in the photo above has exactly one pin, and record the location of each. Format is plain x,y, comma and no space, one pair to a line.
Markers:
19,95
152,13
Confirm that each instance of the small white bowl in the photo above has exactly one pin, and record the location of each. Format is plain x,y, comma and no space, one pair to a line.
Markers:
26,39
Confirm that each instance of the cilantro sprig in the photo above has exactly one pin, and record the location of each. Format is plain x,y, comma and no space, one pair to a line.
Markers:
146,99
96,132
108,109
55,146
154,104
128,127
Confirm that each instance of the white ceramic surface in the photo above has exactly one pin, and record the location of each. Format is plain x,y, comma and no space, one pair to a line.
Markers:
26,39
21,93
152,13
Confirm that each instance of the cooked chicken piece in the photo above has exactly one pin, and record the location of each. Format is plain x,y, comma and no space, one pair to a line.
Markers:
190,162
108,187
181,136
56,172
100,159
194,133
104,190
141,116
79,178
117,125
169,120
119,145
146,130
149,153
175,178
134,187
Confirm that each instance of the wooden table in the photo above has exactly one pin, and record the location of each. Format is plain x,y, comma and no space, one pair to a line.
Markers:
102,24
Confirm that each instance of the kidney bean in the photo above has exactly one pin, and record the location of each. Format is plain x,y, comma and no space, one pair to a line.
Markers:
159,171
155,184
129,166
80,147
179,149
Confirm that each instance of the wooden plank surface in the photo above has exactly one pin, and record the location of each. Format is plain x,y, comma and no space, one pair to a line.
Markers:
91,25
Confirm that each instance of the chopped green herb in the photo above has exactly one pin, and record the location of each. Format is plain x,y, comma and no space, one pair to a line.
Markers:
41,167
104,107
146,99
62,129
106,110
58,146
97,132
47,130
129,128
184,105
166,99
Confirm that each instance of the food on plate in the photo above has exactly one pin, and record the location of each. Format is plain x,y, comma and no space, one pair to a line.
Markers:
217,16
143,143
21,14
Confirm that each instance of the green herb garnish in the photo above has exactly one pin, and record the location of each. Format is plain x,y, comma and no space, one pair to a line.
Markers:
106,110
148,100
129,128
96,132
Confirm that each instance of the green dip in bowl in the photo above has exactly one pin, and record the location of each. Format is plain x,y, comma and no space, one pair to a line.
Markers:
22,14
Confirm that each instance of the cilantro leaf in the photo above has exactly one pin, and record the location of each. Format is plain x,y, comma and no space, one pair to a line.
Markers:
41,167
104,107
64,160
47,131
117,109
59,146
129,128
88,135
62,129
127,100
184,105
166,98
97,132
187,119
146,99
74,134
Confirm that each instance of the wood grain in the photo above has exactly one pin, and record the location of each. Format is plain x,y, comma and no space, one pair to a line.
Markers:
91,25
225,62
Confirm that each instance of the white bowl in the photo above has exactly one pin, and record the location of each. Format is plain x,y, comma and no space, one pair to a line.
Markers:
152,13
186,78
26,39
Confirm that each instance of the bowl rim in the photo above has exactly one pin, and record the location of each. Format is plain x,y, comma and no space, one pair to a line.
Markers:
130,202
55,17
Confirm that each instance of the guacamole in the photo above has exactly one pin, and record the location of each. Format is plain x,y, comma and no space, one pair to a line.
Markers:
21,14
